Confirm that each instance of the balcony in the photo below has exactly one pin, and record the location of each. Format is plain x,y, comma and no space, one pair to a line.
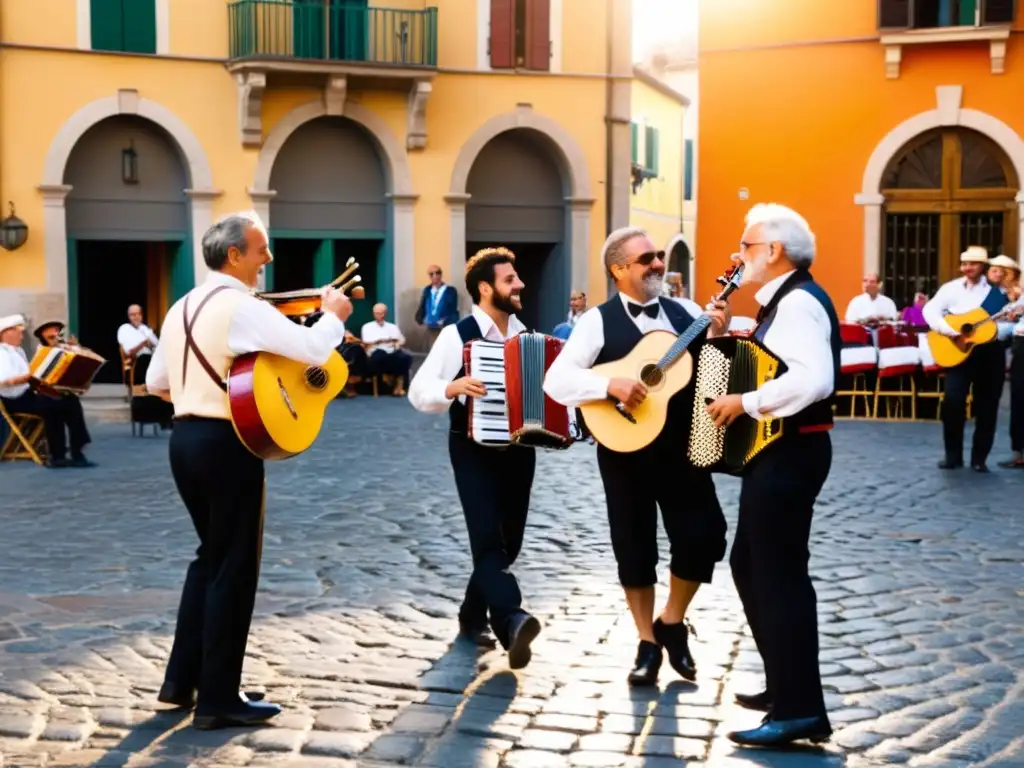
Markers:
336,45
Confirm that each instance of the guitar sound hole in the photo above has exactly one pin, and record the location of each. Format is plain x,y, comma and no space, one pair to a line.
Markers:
651,375
316,377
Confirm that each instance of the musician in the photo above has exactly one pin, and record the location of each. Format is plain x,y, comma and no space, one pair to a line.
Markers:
49,335
494,483
636,484
871,306
383,342
57,413
798,324
985,366
137,341
439,304
220,482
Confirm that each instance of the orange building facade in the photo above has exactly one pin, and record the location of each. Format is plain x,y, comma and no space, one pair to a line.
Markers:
892,126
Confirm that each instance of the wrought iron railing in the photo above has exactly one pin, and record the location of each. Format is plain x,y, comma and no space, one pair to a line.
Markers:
332,30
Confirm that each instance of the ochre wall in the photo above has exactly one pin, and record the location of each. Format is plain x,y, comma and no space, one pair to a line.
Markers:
796,124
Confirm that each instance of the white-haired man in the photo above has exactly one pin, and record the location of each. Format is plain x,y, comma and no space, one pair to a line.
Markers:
383,342
798,324
220,482
985,367
636,484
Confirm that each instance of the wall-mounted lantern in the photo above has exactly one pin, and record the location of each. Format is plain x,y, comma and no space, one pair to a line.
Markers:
130,164
13,231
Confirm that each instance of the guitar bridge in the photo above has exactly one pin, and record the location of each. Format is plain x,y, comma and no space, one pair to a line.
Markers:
287,400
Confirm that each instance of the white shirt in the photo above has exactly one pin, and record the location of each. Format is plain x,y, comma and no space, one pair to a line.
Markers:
690,306
800,336
129,337
574,316
374,331
13,363
954,297
862,307
257,326
569,380
427,389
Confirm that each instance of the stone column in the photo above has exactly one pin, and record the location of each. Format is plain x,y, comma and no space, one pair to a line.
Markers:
457,253
403,249
55,240
202,220
261,205
872,204
579,239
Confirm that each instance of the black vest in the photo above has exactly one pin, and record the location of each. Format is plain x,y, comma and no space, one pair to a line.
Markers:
458,413
817,414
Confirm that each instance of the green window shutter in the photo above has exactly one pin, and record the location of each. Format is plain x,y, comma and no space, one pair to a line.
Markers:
651,150
966,16
139,26
688,171
106,24
634,138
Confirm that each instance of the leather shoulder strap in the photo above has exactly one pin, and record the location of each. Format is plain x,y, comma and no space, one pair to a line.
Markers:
190,343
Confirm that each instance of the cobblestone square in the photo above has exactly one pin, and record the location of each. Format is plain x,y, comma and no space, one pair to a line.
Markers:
919,575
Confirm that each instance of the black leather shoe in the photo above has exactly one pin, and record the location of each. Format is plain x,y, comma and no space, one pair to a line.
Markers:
522,630
647,664
185,698
776,733
979,466
950,464
242,713
81,462
674,638
761,702
478,635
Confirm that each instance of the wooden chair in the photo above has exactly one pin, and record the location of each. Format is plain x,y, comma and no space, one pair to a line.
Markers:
387,378
127,373
856,362
898,361
25,438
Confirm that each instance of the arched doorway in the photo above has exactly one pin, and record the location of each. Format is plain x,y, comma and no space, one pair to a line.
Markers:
679,261
127,230
331,204
946,189
517,190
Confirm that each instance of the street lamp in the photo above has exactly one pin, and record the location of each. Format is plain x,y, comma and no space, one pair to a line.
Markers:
130,164
13,231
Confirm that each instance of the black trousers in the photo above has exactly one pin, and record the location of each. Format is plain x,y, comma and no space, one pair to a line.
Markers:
1017,395
222,486
494,488
57,413
355,356
396,363
148,409
985,368
635,486
769,567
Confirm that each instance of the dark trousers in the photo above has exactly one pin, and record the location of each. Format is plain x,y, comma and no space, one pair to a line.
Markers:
355,356
396,363
635,486
1017,395
985,368
769,567
57,414
148,409
222,486
494,488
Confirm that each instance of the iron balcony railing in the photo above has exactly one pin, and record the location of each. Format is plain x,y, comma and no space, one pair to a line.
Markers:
332,30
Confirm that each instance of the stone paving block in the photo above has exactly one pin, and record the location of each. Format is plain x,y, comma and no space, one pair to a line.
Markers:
598,759
672,746
547,740
535,758
396,747
337,743
422,719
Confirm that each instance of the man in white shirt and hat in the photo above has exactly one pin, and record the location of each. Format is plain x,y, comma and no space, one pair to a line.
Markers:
57,413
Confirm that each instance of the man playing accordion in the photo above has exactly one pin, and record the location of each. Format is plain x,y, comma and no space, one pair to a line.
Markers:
798,325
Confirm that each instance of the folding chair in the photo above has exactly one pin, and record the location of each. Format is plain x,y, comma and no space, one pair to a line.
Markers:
933,379
898,361
24,437
856,361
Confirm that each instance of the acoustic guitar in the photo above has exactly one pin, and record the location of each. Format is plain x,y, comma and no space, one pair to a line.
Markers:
661,361
976,327
277,404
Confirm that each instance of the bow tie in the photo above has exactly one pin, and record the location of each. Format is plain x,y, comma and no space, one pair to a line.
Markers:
651,310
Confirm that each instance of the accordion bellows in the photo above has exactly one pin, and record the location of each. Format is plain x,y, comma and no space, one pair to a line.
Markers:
65,371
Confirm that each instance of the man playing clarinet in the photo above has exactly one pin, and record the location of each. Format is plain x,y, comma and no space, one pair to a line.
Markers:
494,483
636,484
798,324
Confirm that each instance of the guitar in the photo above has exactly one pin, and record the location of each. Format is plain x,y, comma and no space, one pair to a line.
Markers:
976,327
278,405
661,361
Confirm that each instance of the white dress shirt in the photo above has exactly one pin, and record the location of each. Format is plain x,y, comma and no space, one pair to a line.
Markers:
257,326
427,389
374,331
573,317
129,337
13,363
862,307
569,380
800,336
954,297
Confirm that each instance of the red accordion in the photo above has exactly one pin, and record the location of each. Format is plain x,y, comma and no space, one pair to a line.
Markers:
516,411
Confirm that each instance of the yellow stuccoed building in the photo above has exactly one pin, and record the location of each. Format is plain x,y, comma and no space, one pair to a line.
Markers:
402,136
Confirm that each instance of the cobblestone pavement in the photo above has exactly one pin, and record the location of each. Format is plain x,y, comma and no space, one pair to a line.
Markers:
919,577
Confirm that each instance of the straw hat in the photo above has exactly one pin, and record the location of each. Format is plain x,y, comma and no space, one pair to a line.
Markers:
11,321
1005,262
974,253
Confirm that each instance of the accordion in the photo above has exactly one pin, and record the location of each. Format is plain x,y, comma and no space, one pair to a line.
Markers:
515,410
63,371
730,365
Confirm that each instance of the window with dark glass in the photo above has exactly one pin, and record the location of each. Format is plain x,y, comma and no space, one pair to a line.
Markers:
933,14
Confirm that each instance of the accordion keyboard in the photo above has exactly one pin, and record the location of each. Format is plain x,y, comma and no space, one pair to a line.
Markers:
490,413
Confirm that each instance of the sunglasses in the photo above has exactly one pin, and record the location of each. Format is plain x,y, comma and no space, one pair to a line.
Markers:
646,259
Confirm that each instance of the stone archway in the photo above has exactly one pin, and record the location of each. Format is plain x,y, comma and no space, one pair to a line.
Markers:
200,191
579,198
398,180
680,259
948,112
